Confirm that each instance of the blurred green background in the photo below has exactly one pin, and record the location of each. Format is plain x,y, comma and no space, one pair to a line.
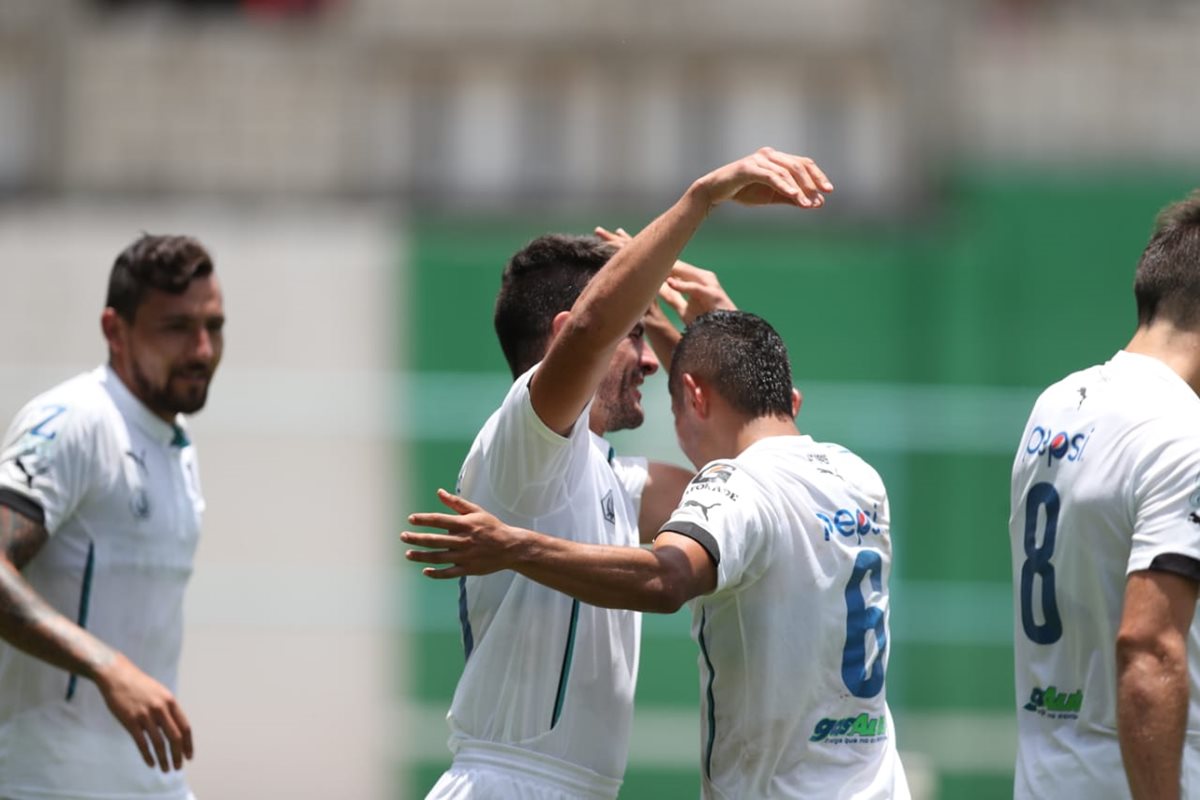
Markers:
920,344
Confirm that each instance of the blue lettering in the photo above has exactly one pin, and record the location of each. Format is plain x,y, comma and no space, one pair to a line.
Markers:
826,523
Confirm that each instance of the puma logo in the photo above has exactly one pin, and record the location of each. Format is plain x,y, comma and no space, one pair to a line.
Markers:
703,508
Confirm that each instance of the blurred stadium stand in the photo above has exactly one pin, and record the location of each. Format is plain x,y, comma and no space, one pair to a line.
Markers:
998,164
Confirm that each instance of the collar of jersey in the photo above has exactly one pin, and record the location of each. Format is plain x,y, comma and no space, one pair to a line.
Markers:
609,451
1151,366
133,410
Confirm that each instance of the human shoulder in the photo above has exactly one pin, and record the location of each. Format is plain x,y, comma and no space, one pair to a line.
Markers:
72,407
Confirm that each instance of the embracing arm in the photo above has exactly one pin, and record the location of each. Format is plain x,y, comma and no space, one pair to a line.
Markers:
477,543
141,704
617,297
1152,680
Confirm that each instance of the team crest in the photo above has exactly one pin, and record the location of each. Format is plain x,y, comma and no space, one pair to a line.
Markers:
608,508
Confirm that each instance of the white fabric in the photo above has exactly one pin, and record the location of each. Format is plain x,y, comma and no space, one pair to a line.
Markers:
525,665
788,520
489,770
1118,446
103,469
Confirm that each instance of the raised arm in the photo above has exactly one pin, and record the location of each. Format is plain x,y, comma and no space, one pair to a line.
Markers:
143,706
617,297
476,543
1152,681
689,290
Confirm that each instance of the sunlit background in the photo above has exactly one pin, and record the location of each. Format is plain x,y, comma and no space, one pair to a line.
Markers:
361,170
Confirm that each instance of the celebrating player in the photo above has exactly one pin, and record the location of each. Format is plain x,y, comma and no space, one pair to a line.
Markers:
544,704
783,546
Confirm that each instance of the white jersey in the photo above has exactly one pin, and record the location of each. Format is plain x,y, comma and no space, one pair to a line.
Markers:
1106,481
794,639
548,681
117,489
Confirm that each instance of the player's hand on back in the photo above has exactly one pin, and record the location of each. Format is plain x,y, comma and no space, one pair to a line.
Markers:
475,542
766,177
148,711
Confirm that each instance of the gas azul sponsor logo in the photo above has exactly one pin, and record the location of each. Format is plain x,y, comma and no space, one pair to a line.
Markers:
1056,445
850,522
849,729
1051,702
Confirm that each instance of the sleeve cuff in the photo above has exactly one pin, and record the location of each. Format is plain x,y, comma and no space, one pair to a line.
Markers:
1184,566
697,534
24,505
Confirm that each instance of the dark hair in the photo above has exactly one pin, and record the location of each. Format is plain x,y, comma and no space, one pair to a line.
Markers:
1167,281
743,358
167,263
542,279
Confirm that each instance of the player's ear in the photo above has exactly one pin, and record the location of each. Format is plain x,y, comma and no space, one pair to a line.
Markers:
112,326
557,323
797,400
695,395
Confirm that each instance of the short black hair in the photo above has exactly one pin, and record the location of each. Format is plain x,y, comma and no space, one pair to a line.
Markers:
542,279
1167,282
742,357
167,263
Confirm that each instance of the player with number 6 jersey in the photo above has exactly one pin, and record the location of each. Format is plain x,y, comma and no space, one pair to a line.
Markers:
1105,537
782,546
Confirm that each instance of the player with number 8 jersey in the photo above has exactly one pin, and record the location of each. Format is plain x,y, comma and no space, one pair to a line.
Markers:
1105,538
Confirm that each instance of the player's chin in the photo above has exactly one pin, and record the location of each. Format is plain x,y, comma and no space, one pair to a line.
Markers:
189,399
631,416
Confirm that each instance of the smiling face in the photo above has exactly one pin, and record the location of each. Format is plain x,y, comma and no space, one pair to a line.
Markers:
167,354
618,403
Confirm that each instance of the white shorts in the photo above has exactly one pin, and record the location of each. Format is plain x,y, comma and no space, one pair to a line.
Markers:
480,772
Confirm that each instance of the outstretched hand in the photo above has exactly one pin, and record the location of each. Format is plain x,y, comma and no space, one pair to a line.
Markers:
475,542
766,177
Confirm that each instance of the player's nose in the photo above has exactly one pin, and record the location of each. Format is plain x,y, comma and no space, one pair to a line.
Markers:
647,360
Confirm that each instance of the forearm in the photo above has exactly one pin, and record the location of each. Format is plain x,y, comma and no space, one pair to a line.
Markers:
1152,705
610,577
662,336
619,295
29,623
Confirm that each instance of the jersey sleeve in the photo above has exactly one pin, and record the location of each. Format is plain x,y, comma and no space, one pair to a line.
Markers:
530,467
717,513
44,463
1167,503
632,472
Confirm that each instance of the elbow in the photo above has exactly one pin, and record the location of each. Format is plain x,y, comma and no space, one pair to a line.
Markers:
667,596
1141,655
666,602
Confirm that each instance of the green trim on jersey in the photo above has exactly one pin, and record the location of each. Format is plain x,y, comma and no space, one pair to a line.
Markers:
85,596
568,653
712,718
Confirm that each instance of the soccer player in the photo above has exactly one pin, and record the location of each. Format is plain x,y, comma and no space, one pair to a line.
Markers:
1105,532
100,508
782,545
544,704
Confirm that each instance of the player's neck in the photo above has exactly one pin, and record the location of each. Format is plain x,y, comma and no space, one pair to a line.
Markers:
759,428
1178,348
